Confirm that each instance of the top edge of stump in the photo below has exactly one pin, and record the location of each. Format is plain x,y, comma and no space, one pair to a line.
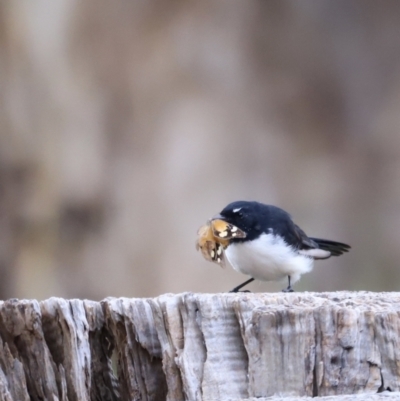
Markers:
295,299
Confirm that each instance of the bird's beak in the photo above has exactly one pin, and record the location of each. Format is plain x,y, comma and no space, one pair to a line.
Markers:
218,217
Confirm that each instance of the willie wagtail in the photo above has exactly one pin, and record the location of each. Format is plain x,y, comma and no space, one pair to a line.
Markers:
263,242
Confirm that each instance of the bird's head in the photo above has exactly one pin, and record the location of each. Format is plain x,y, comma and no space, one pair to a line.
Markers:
244,215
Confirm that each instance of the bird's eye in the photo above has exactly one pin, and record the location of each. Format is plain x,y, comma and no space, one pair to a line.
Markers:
240,214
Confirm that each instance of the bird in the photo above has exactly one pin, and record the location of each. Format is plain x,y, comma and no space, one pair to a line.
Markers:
263,242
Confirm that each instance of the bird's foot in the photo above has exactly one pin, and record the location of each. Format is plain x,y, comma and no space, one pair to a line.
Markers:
237,288
289,289
235,291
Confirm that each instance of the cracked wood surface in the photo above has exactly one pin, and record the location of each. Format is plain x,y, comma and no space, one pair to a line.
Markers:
202,347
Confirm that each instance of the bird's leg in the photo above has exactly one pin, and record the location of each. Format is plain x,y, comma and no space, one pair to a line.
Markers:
236,289
289,288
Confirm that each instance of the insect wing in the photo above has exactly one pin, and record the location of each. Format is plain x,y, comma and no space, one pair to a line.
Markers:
226,231
211,250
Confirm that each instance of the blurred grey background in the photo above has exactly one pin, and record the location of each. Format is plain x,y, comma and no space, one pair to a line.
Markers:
125,125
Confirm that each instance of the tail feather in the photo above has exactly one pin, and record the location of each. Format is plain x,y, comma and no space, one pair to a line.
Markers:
335,248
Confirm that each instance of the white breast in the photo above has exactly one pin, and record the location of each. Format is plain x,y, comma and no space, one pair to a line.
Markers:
268,258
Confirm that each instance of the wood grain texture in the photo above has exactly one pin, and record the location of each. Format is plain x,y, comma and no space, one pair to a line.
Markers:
202,347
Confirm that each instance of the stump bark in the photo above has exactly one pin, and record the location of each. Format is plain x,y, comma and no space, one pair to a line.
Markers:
202,347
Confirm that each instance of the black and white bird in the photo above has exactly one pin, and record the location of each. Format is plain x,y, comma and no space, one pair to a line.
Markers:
263,242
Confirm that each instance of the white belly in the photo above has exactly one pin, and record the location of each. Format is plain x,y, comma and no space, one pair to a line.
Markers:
268,258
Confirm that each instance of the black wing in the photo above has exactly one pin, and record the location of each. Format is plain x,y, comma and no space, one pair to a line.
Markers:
296,237
303,241
293,234
276,219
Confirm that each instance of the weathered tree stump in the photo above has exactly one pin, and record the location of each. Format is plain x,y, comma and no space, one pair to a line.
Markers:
202,347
